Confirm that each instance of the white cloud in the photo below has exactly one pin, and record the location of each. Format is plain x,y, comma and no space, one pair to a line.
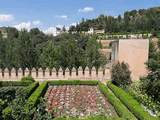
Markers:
86,9
36,22
62,16
23,25
50,31
73,24
59,26
6,17
27,25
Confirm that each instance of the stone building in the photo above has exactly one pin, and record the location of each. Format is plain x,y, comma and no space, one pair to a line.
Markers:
134,52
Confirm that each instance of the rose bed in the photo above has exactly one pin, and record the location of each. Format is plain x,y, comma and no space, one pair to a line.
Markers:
77,101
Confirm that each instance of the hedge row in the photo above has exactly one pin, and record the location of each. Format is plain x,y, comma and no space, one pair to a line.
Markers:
131,103
73,82
35,96
31,88
98,117
122,111
14,83
28,91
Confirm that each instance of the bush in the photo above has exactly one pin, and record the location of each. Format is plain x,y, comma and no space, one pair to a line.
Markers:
73,82
27,79
151,85
141,96
27,91
131,103
16,108
119,107
7,113
34,98
120,74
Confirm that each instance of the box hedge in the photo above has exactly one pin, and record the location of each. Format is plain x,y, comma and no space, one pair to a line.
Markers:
73,82
131,103
35,96
122,111
14,83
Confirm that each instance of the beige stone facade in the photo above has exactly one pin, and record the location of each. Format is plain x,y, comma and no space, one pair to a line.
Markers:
134,52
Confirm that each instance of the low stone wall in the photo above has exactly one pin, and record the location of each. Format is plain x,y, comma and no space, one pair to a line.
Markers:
41,75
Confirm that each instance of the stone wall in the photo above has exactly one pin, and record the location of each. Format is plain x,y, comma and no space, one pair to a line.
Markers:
41,75
135,53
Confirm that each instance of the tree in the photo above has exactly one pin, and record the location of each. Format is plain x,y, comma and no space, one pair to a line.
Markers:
151,83
120,74
26,51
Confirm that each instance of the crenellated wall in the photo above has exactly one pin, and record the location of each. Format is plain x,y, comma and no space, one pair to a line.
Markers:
47,74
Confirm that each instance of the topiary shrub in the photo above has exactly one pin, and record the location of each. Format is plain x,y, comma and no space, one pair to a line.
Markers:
28,79
120,74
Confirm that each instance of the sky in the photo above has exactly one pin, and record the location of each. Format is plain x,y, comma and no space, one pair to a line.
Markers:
47,14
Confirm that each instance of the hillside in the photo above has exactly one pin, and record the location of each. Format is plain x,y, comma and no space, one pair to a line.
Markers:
142,20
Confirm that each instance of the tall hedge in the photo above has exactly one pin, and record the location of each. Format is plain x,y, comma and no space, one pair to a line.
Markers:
131,103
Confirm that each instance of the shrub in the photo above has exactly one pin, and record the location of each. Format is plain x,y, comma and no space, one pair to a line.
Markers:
27,91
120,74
131,103
16,108
34,98
27,79
7,113
151,85
135,90
119,107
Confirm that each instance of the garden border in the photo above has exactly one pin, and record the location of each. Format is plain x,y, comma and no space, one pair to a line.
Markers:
132,104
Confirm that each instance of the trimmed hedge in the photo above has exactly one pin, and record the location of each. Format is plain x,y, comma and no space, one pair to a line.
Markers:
73,82
98,117
14,83
28,90
119,107
31,88
131,103
35,96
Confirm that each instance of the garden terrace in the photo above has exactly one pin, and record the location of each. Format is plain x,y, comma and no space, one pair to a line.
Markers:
88,100
79,99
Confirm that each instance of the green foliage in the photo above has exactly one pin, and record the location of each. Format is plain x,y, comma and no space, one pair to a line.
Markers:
122,111
98,117
142,20
14,83
35,96
27,79
7,113
15,109
137,92
41,113
131,103
151,83
73,82
120,74
72,51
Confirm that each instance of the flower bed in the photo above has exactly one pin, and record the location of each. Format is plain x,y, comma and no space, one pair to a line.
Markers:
78,101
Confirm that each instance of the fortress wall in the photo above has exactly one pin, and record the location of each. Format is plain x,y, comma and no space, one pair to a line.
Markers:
135,53
42,75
